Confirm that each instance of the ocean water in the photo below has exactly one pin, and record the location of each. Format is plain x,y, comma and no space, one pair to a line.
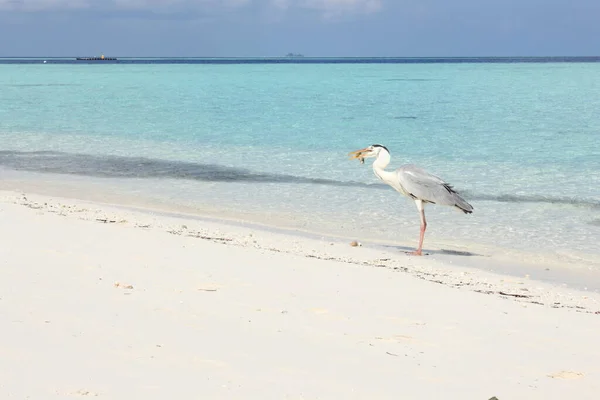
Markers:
268,143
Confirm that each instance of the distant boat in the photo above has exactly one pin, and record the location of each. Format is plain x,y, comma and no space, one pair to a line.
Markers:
294,55
101,58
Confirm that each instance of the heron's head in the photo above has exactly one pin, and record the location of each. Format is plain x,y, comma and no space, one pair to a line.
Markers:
372,151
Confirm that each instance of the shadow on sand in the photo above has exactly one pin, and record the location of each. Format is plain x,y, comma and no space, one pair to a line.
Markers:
405,249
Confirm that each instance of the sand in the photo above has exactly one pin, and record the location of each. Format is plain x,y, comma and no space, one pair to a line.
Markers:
108,302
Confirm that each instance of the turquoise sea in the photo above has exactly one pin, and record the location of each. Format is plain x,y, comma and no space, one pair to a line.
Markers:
268,143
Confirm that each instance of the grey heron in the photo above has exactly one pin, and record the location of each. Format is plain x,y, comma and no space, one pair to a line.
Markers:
414,182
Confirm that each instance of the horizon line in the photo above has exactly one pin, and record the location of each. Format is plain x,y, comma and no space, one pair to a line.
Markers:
305,57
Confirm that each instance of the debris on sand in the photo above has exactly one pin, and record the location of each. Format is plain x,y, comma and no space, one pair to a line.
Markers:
123,285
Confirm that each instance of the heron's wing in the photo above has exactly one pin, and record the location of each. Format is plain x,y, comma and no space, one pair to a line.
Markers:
420,184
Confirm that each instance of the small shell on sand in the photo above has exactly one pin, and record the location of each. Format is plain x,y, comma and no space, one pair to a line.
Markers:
354,243
123,285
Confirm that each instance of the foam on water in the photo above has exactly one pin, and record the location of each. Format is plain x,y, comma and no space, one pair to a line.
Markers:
520,141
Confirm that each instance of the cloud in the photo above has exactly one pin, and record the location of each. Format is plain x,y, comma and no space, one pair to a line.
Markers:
40,5
342,6
326,7
329,8
179,4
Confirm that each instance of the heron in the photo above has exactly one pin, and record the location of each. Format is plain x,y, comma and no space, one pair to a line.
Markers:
413,182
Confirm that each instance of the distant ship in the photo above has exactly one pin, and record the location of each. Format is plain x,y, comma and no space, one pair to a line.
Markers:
101,58
294,55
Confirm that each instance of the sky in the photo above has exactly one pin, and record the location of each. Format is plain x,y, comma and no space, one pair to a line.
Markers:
264,28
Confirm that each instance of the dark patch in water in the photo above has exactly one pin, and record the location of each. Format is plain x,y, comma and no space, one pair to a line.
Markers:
513,198
405,117
40,84
409,80
140,167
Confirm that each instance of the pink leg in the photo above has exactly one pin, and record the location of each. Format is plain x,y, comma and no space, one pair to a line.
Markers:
421,208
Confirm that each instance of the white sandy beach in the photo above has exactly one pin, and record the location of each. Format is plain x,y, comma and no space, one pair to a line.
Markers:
103,301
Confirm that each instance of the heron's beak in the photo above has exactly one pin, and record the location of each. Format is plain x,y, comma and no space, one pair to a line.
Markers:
360,154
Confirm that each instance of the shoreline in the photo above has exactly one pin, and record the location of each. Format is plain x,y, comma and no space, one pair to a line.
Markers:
573,270
515,231
521,282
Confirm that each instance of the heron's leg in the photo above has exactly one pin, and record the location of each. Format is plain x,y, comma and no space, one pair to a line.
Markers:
421,208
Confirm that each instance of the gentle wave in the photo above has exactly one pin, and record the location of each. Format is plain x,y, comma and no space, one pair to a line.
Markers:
140,167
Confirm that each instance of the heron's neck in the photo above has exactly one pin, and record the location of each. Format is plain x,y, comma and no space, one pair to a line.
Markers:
379,165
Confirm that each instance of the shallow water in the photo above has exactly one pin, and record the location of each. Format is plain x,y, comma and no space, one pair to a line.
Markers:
270,143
